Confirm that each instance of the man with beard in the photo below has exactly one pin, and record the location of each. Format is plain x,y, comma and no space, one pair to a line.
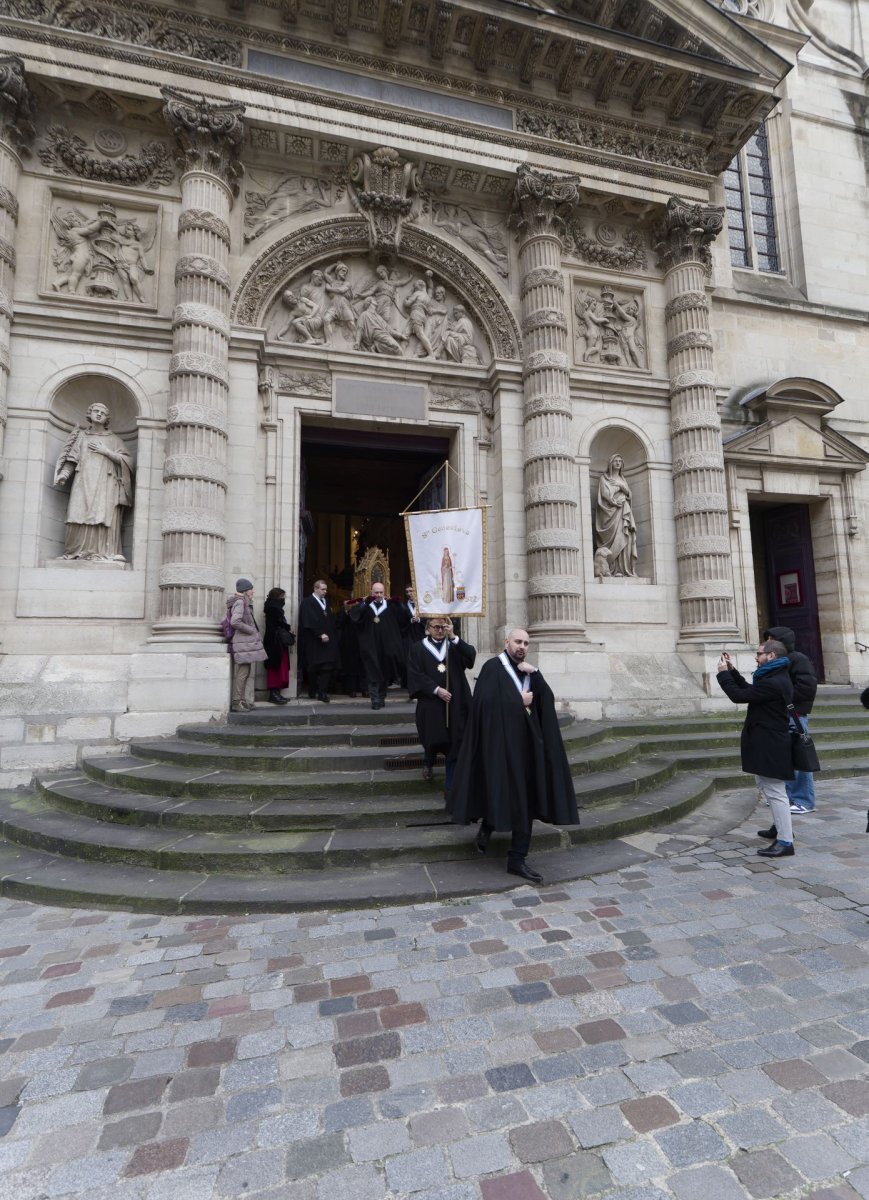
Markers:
318,646
436,680
377,621
512,768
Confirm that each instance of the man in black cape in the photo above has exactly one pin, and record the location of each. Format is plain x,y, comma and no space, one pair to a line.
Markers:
318,642
380,646
436,681
413,627
512,767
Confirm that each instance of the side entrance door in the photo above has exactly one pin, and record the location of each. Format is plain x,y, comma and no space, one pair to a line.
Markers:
790,572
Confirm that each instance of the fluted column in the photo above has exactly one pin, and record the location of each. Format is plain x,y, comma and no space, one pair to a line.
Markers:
699,483
541,203
16,108
192,584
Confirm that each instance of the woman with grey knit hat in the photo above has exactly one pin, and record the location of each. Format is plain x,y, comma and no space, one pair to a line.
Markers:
246,645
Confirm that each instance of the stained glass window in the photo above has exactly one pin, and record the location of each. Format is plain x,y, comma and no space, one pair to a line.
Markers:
750,212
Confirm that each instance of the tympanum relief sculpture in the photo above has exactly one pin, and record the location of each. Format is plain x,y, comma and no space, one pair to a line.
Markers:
392,310
100,253
101,470
609,328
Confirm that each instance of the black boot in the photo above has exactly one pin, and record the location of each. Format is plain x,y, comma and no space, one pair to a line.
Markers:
276,697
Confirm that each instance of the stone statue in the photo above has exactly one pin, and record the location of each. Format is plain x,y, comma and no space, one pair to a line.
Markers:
602,558
459,338
102,487
373,333
614,519
419,306
302,313
340,291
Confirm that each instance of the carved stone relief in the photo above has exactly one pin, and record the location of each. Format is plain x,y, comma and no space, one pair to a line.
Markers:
384,188
68,154
102,252
609,327
629,140
607,247
268,204
305,383
484,232
393,310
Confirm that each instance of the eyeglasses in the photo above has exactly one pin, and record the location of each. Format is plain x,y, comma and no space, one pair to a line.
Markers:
761,654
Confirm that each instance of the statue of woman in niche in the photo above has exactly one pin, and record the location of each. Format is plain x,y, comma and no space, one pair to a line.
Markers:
101,471
614,519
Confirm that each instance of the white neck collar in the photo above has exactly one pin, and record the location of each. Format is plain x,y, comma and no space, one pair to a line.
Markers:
438,652
523,684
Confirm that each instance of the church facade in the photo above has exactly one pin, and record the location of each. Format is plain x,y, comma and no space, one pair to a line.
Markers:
265,264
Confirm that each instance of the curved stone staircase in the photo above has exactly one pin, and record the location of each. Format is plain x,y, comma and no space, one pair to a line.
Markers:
312,806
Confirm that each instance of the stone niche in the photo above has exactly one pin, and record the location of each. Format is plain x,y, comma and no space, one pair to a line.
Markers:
101,250
391,309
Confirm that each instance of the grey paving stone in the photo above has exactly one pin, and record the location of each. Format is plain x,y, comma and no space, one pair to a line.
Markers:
635,1162
699,1098
417,1171
292,1125
344,1114
580,1174
359,1182
751,1127
817,1156
599,1127
372,1142
765,1173
496,1112
508,1078
251,1173
705,1183
248,1106
686,1145
482,1155
313,1156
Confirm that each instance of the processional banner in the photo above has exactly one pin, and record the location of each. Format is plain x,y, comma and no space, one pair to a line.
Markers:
447,551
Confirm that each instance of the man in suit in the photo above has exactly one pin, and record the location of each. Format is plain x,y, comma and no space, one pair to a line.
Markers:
318,642
436,680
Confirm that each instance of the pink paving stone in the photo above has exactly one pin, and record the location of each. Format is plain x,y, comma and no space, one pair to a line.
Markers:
158,1156
794,1074
66,999
608,910
571,985
102,951
489,946
304,993
364,1079
229,1006
13,951
448,923
60,969
606,958
605,1030
284,962
377,999
533,972
357,1024
398,1015
533,923
350,985
520,1186
204,923
602,981
553,1041
718,894
211,1054
650,1112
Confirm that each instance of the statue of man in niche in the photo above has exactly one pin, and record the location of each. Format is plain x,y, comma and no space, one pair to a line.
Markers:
101,470
614,522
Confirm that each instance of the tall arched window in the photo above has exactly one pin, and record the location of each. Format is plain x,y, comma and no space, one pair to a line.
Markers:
750,209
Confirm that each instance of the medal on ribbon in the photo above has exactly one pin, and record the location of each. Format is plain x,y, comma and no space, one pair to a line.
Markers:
442,668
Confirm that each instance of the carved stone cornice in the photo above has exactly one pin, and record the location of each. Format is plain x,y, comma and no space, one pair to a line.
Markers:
17,105
685,233
210,137
542,203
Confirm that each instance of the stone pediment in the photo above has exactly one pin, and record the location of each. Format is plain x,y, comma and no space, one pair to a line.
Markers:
795,442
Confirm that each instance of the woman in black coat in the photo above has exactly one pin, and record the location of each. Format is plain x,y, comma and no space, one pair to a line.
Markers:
277,640
766,739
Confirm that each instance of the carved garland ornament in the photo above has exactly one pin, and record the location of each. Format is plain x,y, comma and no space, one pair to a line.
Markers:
554,585
549,493
692,339
691,379
191,313
686,302
201,218
700,546
8,203
204,267
68,154
541,277
543,318
298,250
700,502
194,466
197,414
695,420
697,460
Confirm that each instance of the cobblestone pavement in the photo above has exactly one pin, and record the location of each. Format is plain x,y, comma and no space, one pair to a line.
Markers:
695,1027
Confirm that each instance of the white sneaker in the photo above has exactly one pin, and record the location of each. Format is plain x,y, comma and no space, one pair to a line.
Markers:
799,810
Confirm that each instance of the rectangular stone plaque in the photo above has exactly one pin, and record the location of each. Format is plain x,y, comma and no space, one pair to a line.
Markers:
377,398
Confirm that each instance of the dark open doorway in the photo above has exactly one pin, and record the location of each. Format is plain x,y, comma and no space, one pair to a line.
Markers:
785,575
354,483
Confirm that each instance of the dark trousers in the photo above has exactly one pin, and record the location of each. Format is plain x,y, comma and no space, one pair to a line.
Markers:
319,680
377,690
520,843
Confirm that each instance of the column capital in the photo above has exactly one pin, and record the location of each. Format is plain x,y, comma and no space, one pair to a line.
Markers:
17,105
685,232
209,136
542,202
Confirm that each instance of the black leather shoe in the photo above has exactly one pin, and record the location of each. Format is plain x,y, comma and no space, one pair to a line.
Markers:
525,872
322,696
276,698
771,833
481,841
777,850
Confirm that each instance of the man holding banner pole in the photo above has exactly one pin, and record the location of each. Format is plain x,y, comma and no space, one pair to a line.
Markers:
512,768
436,680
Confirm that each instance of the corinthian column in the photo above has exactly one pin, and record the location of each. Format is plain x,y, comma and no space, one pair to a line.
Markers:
192,584
16,107
702,538
541,204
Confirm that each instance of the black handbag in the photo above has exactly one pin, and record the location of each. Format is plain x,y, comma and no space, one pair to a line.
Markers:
804,756
287,637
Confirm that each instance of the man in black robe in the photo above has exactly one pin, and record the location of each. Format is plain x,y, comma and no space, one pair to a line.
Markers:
412,625
377,621
436,681
512,767
318,642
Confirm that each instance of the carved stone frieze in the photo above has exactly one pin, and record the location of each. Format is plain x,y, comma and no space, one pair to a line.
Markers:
691,379
17,106
456,399
686,232
291,195
190,413
708,589
191,313
102,251
698,419
609,327
68,154
541,277
696,547
627,254
544,318
553,539
391,310
202,265
7,253
194,520
343,235
5,304
190,575
540,359
194,466
484,232
549,493
192,362
697,460
700,502
627,139
692,339
383,186
209,136
305,383
685,302
544,403
200,218
542,202
551,585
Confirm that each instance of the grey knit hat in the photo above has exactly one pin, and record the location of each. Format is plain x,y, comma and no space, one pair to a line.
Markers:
243,585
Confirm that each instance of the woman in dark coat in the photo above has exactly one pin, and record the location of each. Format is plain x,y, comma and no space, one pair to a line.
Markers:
766,740
277,641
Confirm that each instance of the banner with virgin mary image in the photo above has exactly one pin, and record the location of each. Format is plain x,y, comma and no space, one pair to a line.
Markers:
447,552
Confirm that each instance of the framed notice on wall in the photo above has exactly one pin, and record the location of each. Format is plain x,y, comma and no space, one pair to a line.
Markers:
447,552
790,589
